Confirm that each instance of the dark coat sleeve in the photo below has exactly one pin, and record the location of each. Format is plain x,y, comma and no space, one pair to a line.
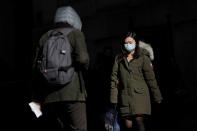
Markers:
80,53
114,82
150,79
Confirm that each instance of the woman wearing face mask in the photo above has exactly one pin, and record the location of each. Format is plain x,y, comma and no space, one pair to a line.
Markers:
131,79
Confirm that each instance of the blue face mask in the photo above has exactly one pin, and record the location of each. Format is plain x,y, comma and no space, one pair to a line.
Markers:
129,47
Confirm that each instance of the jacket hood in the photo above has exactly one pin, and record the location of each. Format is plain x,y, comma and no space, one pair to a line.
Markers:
148,49
69,15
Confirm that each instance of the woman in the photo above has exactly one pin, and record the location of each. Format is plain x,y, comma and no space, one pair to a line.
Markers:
132,77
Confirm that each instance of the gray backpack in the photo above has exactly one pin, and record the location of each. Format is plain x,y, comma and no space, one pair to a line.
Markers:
55,63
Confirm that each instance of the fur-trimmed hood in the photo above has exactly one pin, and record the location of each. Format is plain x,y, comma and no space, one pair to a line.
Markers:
148,48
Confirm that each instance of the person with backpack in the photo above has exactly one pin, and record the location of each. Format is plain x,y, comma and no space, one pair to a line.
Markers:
132,78
59,94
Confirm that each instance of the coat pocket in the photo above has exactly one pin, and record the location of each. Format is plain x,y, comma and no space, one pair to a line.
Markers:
139,89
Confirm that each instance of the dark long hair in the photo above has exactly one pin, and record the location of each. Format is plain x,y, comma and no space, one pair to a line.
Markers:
134,36
124,52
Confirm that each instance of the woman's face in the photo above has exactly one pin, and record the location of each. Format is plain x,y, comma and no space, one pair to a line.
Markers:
129,45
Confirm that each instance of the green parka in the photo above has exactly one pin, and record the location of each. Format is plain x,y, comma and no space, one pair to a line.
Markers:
131,82
75,90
